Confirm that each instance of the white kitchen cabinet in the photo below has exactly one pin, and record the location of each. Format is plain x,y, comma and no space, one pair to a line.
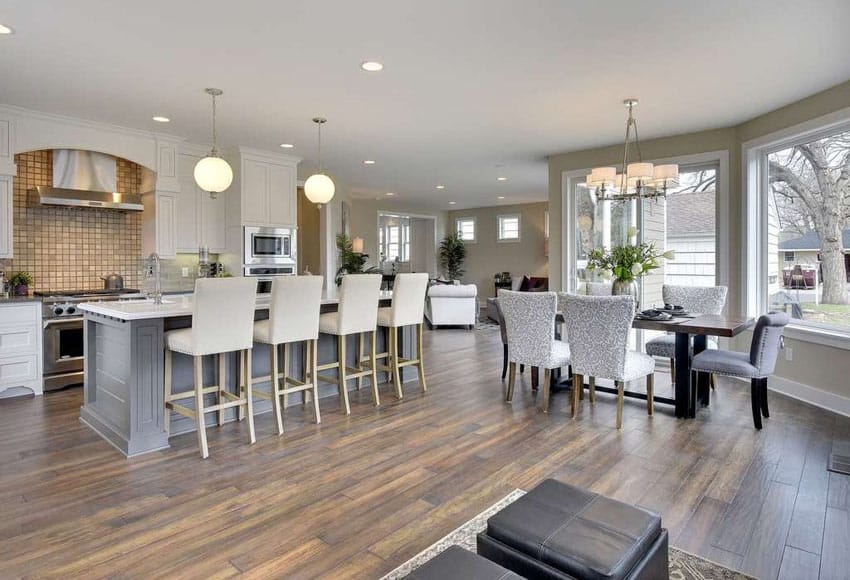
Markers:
6,210
201,220
268,194
20,346
159,224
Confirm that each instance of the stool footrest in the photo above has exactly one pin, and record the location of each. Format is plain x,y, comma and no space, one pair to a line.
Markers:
190,394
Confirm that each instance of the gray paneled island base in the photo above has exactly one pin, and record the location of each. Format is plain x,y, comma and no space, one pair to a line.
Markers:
124,368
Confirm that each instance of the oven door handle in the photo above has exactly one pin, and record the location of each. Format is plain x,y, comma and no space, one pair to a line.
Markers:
55,321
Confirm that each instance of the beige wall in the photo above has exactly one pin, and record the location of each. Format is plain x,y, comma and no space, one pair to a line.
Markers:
309,245
487,256
818,366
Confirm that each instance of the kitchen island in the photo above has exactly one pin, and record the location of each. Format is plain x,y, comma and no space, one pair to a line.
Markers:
124,367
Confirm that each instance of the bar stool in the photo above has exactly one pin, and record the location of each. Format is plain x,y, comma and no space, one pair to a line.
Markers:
357,313
293,317
222,322
408,309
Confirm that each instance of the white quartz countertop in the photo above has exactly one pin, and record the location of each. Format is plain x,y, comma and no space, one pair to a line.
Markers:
179,305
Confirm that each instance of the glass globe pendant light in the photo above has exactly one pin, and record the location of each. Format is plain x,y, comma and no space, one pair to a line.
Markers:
319,188
212,173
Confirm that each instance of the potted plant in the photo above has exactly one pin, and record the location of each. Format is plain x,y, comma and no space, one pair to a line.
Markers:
20,283
452,255
350,262
625,264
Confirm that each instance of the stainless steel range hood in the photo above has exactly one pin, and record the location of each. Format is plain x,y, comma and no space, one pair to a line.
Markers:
86,179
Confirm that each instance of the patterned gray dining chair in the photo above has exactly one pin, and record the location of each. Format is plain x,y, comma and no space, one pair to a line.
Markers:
504,334
756,365
599,347
598,288
530,325
695,299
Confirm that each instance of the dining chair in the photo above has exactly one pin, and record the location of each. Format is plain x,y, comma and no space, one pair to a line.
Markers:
695,299
530,325
294,308
503,332
599,329
598,288
214,334
756,365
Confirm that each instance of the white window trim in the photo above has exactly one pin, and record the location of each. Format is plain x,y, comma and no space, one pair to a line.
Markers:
474,221
499,219
754,220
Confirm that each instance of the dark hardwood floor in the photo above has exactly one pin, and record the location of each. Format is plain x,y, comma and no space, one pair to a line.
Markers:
357,496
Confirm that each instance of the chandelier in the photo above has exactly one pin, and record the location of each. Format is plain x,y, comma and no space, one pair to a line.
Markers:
637,179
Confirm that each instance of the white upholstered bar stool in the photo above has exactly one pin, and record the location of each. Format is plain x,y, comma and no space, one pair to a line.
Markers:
222,322
357,313
293,317
407,309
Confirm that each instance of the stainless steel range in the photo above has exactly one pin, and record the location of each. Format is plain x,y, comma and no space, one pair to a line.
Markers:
63,332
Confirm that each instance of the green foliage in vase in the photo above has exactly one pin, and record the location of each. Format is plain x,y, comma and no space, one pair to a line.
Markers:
350,262
20,279
452,256
628,262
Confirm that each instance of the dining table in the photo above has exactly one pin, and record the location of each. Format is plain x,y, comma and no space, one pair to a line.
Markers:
689,329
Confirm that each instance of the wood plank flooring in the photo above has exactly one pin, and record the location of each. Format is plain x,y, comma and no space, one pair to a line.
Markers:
357,496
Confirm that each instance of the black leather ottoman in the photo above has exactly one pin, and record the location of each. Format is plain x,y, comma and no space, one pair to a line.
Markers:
562,531
455,563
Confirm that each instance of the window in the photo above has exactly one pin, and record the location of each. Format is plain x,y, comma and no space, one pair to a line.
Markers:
798,225
466,229
508,228
394,238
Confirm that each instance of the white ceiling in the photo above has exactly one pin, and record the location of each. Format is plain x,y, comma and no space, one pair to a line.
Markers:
471,89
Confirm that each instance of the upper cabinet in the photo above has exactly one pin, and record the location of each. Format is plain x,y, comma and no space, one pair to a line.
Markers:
6,207
201,220
268,196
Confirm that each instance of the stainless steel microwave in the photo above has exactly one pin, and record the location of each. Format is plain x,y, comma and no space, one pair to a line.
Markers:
267,246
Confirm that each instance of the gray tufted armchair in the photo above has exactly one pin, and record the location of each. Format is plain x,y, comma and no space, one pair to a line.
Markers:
756,365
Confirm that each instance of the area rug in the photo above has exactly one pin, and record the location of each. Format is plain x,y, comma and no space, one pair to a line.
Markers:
683,565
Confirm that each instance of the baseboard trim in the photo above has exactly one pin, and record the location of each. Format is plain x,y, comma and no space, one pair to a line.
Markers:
808,394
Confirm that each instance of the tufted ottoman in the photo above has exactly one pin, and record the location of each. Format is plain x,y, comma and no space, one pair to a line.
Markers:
455,563
561,531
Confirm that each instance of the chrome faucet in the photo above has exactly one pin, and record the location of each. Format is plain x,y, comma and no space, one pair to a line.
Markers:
154,268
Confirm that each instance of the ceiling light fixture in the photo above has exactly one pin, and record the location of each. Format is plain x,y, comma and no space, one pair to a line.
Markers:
161,119
452,202
287,145
501,179
368,162
501,197
390,193
439,187
371,66
635,180
319,188
212,173
5,29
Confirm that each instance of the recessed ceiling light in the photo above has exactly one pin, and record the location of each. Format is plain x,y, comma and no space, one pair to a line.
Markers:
452,202
287,145
5,29
368,162
502,178
501,197
371,66
389,193
439,187
161,119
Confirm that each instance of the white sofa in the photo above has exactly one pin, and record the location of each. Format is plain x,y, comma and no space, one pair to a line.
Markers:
452,304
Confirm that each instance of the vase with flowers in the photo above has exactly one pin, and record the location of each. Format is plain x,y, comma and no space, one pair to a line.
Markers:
626,264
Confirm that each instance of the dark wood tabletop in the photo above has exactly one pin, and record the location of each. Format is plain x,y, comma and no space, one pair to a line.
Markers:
705,324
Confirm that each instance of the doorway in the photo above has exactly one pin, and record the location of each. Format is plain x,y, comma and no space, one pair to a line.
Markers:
407,243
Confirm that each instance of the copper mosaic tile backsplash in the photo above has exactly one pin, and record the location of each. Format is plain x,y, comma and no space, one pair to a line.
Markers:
70,248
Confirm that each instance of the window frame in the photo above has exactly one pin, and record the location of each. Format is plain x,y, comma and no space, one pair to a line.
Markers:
474,221
506,216
754,199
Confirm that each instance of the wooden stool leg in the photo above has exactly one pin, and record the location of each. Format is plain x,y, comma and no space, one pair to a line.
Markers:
419,349
249,394
166,417
650,393
373,376
343,390
578,386
313,345
394,354
388,342
621,389
358,358
547,385
275,387
240,410
222,380
591,389
305,360
199,407
511,382
284,372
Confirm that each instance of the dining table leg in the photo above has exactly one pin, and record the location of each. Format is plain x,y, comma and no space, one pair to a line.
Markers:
702,379
682,386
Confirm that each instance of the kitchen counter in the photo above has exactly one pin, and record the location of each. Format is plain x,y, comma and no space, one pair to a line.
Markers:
181,305
124,376
14,299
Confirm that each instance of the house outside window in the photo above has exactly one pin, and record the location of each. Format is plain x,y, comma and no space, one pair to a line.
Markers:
789,256
509,228
466,229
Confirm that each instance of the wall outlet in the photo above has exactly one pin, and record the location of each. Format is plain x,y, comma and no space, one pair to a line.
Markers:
789,353
185,272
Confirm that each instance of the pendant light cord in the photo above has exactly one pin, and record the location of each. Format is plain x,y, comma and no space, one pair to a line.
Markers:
214,149
320,147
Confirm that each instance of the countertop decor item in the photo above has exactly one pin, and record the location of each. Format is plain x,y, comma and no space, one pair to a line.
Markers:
112,281
212,173
319,188
20,283
452,256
